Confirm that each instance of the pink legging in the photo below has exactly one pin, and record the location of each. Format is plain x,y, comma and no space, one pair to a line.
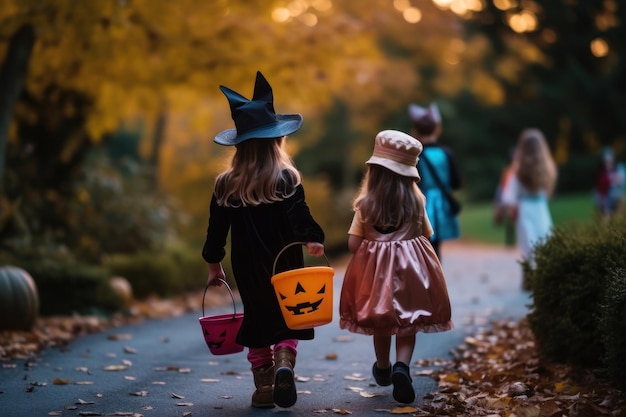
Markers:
261,357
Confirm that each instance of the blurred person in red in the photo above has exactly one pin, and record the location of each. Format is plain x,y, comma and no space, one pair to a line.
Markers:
609,184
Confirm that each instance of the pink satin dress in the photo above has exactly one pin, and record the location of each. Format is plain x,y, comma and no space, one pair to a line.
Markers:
394,283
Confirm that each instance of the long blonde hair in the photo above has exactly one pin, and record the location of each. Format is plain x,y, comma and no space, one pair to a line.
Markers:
387,199
260,172
536,170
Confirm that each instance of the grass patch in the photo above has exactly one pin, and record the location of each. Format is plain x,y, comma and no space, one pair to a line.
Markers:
477,225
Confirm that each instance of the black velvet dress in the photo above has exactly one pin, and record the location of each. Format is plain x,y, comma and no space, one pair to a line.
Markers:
257,235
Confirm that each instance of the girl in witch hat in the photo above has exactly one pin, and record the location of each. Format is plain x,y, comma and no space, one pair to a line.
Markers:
260,200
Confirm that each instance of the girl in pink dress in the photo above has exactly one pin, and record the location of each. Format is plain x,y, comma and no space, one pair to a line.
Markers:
394,283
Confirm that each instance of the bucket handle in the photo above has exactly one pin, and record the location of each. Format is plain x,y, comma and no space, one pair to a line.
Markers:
229,291
288,246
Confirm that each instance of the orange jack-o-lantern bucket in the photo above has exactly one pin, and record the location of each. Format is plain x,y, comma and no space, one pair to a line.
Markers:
220,332
305,294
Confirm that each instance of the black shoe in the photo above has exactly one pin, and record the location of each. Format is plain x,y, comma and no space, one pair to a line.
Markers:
382,376
285,394
403,391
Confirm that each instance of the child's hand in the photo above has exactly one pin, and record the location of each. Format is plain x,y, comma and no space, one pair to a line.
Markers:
315,248
216,273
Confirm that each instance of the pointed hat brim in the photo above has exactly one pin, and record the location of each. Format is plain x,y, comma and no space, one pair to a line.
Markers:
256,118
286,124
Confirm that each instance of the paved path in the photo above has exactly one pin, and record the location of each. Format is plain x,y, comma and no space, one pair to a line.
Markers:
168,370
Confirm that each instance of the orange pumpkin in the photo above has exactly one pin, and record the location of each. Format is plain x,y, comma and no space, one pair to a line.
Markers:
305,296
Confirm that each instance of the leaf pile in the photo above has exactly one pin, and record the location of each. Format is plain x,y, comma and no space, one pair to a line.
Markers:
59,331
497,373
500,373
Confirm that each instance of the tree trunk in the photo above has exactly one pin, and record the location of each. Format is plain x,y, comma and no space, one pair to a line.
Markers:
12,76
154,158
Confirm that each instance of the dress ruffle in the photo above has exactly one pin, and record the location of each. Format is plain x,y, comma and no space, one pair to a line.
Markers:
395,286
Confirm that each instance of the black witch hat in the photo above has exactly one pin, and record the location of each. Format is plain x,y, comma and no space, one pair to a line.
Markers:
256,118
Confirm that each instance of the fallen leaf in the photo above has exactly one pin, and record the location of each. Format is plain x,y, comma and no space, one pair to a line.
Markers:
533,410
115,368
140,393
120,336
130,378
180,397
341,411
128,349
343,338
403,410
424,372
83,402
59,381
331,356
355,377
184,404
471,341
302,378
450,378
367,394
229,373
209,380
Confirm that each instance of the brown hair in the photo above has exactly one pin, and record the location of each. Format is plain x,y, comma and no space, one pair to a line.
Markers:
425,125
536,169
387,199
260,172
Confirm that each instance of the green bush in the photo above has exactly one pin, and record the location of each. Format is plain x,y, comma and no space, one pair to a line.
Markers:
169,272
148,273
68,288
191,269
567,284
613,327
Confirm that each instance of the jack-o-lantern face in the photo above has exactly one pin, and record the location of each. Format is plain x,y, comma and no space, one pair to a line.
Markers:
304,306
212,340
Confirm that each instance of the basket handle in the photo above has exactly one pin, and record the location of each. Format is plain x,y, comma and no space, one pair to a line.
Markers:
288,246
229,291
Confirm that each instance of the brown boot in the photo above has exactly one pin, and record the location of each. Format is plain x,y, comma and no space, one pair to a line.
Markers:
284,385
264,383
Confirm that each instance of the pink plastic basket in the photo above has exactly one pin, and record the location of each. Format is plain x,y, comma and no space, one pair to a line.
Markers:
220,332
